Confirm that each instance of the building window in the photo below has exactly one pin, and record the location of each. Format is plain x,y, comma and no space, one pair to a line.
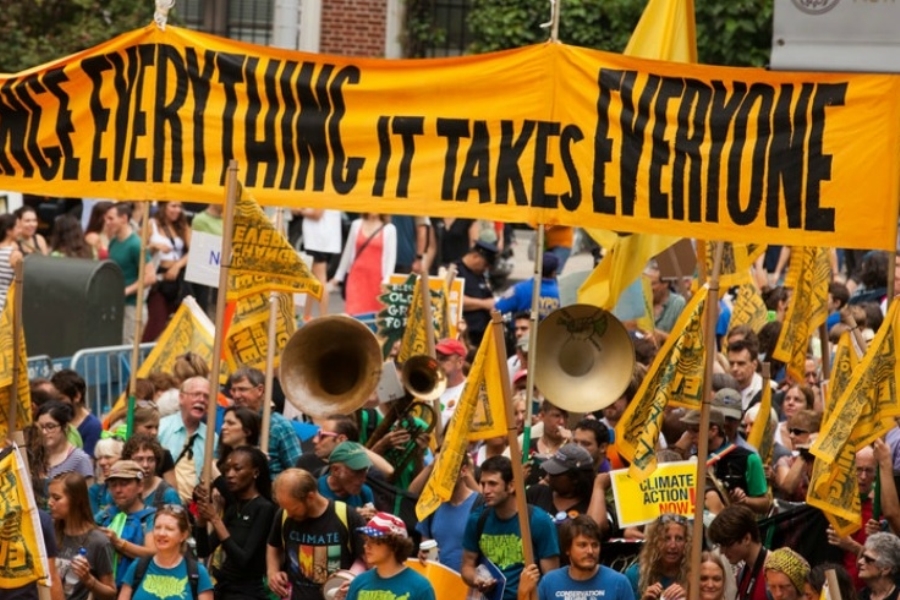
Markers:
449,17
245,20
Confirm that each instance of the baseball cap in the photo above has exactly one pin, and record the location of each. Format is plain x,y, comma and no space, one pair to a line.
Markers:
448,346
351,454
125,469
550,265
487,250
728,401
520,375
383,524
692,417
570,457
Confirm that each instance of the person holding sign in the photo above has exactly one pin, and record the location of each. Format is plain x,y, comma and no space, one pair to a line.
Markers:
585,577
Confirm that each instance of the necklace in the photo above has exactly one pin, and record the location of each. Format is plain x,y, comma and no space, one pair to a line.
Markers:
245,506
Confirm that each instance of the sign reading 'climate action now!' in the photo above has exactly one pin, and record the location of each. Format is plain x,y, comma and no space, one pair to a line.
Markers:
548,133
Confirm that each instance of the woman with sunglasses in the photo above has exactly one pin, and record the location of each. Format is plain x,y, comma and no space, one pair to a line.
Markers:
796,398
167,569
792,472
662,568
879,567
238,539
84,554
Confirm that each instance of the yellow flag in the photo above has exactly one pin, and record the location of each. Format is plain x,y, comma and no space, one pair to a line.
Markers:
846,358
248,335
808,276
480,412
863,412
189,330
666,31
262,259
24,558
675,378
414,340
23,410
762,433
737,260
748,308
646,323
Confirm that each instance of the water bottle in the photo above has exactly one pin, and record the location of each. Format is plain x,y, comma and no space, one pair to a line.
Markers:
71,579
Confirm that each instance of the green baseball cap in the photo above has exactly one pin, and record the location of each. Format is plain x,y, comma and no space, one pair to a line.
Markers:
351,454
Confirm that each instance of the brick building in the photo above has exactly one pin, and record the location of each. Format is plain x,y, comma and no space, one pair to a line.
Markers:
371,28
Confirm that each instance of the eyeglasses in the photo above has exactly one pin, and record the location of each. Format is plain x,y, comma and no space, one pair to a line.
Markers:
797,431
865,470
321,433
50,426
242,389
868,559
196,395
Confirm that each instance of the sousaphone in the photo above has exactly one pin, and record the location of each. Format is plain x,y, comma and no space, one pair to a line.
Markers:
331,365
585,358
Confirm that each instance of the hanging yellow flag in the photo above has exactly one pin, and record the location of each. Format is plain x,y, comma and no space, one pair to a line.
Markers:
414,340
675,378
666,31
846,358
808,276
23,557
863,412
737,260
262,260
762,433
23,400
480,414
748,308
248,336
646,322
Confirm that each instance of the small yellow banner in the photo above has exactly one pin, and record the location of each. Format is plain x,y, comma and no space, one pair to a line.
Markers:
262,260
670,490
248,336
675,378
21,545
23,402
748,308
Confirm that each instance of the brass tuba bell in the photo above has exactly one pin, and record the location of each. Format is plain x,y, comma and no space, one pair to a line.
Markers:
331,365
585,358
423,378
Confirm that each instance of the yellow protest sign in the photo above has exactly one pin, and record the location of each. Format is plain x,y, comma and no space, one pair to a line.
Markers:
671,489
262,259
447,583
23,401
22,553
248,335
808,276
548,133
762,432
748,308
675,378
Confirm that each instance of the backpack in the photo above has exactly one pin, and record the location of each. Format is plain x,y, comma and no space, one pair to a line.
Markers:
193,573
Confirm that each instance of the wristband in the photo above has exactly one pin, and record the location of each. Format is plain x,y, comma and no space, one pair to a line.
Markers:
419,256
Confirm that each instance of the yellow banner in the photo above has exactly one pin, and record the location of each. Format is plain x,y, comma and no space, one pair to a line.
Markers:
401,295
737,259
670,490
675,378
22,553
479,414
863,412
808,278
846,358
262,260
748,308
762,432
548,133
415,338
23,402
248,336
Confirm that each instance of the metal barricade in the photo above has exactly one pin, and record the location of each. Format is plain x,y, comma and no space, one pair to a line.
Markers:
106,372
40,366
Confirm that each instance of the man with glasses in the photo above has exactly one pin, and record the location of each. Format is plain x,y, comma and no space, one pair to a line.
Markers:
184,435
248,390
345,481
334,430
852,545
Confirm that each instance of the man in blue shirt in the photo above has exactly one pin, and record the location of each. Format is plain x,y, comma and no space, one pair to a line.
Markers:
518,297
345,480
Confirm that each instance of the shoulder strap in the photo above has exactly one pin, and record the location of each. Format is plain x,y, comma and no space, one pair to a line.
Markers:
369,239
188,449
341,509
139,571
193,574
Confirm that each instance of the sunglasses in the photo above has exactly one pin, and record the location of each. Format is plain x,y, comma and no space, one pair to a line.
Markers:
321,433
670,518
868,559
797,431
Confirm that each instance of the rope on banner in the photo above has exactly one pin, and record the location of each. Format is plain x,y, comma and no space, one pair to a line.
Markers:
161,16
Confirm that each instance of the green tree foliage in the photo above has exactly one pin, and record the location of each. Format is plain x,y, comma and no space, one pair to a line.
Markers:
34,32
729,32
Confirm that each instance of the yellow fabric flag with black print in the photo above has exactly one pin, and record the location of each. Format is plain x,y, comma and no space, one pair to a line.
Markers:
737,260
23,400
762,433
863,412
480,414
748,308
248,335
262,260
808,278
675,378
24,557
414,341
846,357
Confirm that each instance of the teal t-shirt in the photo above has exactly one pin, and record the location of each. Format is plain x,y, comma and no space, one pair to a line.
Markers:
405,585
167,584
127,254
